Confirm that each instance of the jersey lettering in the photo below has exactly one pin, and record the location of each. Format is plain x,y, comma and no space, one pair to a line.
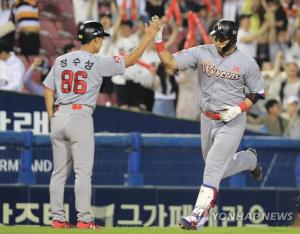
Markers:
66,81
67,77
80,85
211,70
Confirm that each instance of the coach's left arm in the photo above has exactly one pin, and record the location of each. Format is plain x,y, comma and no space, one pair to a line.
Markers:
150,32
49,100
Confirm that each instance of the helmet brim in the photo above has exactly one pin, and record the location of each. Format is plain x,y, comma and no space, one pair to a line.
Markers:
213,32
101,34
220,35
105,34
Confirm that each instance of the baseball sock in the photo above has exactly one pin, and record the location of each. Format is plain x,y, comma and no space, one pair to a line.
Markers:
206,199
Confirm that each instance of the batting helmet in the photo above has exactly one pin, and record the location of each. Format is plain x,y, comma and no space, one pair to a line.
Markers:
225,30
90,30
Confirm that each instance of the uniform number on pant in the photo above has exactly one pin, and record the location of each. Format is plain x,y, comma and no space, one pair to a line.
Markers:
67,77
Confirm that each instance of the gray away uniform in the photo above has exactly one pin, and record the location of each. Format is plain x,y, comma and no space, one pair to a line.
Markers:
222,83
76,77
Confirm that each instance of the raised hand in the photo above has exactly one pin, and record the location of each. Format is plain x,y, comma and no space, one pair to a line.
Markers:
36,62
153,27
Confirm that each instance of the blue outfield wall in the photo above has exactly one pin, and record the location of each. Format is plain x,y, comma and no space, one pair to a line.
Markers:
153,206
147,159
27,112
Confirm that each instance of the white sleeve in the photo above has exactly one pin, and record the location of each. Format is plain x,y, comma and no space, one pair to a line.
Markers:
15,81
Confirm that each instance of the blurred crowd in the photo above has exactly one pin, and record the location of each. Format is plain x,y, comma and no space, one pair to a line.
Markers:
269,32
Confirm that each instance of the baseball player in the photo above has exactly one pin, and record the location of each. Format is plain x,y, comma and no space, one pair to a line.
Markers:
76,78
223,73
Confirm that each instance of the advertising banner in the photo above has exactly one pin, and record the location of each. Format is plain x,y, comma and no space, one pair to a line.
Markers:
152,206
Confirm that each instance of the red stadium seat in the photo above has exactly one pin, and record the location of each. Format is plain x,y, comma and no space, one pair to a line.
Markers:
48,26
48,43
52,59
57,25
24,60
66,6
36,76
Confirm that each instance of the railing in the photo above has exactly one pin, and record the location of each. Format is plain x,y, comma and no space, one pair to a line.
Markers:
146,159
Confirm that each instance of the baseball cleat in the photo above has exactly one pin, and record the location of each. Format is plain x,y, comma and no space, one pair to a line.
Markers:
89,225
187,224
59,224
257,173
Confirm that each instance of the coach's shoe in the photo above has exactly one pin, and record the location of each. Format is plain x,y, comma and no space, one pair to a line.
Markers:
89,225
187,224
257,173
59,224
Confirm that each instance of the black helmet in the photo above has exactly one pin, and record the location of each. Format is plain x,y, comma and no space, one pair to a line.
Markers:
225,30
90,30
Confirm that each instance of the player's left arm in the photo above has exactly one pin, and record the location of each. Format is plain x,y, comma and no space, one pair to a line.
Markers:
254,82
251,99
